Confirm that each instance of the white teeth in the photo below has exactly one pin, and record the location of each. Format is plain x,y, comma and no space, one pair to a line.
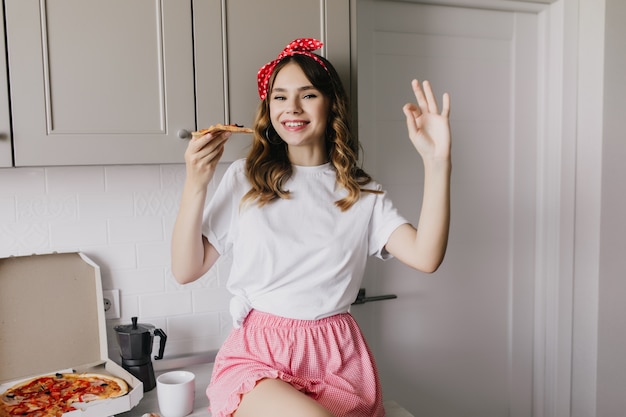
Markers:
294,124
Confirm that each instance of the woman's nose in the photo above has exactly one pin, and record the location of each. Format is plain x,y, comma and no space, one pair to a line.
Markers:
294,106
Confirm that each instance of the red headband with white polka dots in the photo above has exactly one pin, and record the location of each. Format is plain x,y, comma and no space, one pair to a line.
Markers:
303,46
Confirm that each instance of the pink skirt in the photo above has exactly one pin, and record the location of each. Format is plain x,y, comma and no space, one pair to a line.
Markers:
327,359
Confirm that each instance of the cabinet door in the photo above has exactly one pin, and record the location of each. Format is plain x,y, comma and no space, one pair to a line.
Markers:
258,31
6,153
100,82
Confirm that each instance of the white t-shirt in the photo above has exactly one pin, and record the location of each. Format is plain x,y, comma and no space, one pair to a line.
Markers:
302,257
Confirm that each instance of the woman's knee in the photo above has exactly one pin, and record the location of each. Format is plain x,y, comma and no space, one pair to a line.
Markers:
277,398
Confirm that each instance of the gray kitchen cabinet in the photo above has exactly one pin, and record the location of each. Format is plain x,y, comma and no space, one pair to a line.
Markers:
118,82
6,151
100,82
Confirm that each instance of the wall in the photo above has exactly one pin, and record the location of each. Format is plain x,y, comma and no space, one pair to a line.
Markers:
611,362
121,217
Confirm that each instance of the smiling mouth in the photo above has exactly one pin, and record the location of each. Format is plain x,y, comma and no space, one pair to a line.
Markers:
294,124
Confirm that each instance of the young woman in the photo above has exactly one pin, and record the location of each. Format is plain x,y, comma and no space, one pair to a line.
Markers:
299,218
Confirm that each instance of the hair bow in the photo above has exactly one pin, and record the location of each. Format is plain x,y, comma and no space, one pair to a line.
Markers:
303,46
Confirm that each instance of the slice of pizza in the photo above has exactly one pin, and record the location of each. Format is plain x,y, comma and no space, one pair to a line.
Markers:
94,386
221,128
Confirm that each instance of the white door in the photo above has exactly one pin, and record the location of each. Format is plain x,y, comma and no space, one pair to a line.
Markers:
458,343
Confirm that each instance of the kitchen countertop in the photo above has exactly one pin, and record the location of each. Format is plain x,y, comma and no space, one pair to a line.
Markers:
203,370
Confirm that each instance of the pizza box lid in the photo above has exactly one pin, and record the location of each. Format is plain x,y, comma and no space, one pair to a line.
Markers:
52,320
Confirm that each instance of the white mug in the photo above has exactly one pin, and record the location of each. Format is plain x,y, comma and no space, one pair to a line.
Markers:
176,391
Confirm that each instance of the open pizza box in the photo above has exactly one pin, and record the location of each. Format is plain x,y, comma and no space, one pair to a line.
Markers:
52,320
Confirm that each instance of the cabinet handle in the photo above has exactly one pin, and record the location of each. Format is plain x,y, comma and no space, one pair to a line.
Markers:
184,134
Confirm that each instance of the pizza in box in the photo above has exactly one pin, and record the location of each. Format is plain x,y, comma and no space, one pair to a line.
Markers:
54,395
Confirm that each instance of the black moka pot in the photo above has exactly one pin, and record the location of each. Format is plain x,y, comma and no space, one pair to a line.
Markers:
135,341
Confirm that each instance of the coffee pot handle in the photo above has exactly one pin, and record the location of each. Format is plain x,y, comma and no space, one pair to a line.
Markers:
162,340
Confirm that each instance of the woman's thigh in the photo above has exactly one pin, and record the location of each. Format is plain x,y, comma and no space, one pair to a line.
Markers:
276,398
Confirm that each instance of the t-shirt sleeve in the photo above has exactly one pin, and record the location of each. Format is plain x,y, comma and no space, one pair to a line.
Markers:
385,219
219,218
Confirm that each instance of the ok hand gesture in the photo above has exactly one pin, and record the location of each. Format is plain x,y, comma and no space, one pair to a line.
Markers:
429,130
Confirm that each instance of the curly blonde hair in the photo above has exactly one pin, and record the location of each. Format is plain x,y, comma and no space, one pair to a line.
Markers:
267,164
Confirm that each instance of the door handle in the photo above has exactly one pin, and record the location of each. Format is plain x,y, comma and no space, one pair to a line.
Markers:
362,299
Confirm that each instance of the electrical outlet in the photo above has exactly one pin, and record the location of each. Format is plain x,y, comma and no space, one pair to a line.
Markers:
111,304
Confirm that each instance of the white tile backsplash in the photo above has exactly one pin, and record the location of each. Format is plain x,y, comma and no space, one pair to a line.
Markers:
121,217
76,234
165,304
153,254
91,205
121,256
200,326
210,299
64,179
7,208
132,177
136,229
24,238
137,281
22,181
129,307
46,207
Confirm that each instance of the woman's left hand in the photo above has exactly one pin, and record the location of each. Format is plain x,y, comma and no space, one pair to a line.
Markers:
429,130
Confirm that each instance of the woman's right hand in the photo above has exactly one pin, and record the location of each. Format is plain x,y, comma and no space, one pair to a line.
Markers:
202,156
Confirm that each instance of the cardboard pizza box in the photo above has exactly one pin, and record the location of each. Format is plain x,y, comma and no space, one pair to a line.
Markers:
52,320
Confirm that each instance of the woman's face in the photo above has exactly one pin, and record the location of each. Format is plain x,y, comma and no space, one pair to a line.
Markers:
298,111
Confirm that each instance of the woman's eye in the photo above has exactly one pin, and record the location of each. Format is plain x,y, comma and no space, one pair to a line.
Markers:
309,96
279,98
